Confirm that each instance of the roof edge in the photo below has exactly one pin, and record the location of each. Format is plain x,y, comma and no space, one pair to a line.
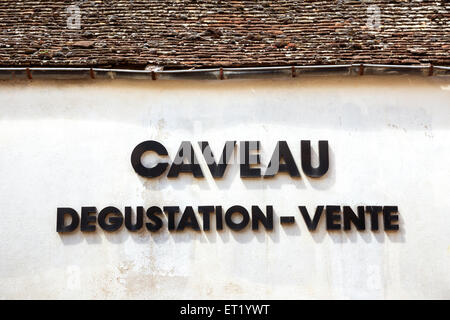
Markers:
221,73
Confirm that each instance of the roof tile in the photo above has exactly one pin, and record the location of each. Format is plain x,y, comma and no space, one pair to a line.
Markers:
210,33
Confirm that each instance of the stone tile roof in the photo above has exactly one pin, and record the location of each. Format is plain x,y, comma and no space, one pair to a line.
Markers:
179,34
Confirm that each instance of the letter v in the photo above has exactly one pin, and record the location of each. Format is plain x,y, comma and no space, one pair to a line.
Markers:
217,170
312,225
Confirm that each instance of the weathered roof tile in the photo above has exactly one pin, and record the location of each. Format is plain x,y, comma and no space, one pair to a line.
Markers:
212,33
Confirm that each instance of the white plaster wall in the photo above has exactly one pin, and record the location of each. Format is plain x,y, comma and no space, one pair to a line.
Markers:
69,144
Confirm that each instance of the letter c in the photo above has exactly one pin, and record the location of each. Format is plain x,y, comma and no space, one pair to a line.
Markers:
137,153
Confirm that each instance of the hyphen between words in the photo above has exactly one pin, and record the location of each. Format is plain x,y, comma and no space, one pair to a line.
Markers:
236,217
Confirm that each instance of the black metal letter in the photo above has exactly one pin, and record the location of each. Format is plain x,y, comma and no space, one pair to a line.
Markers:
171,211
332,217
306,159
86,218
244,154
282,152
114,222
237,226
374,211
312,225
137,153
188,219
139,219
358,220
61,213
219,218
156,223
185,151
389,217
206,212
258,216
217,170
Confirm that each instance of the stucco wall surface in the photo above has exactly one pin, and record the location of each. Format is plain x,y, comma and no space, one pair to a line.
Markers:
68,144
